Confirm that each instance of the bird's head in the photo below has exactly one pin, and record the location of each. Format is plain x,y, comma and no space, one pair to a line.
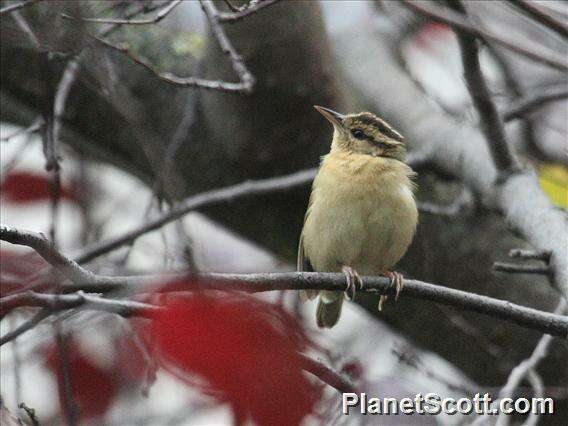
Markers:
364,133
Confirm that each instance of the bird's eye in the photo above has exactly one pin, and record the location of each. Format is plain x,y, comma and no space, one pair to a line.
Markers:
359,134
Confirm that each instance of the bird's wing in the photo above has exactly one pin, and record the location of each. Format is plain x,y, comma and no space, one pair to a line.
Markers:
303,263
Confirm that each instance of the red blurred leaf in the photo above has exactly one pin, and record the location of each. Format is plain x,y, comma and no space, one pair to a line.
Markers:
16,269
245,349
93,387
24,187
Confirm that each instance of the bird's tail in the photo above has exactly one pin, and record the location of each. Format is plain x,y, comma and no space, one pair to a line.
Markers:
329,309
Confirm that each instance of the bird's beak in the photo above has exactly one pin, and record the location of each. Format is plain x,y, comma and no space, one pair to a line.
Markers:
334,118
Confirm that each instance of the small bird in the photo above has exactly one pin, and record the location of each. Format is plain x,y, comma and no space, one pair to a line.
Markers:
362,215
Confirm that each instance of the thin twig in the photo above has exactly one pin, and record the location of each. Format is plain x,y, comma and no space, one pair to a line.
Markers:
327,375
48,251
491,122
246,79
126,21
25,326
62,93
520,371
34,127
521,269
457,21
532,9
530,103
17,6
241,13
30,413
538,392
64,365
204,199
530,255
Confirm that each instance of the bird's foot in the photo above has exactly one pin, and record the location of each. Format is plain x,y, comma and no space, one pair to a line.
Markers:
396,279
353,281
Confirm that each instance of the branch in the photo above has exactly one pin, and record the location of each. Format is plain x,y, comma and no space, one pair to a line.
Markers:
17,6
34,127
525,367
538,14
530,255
521,269
459,150
247,80
231,193
126,308
240,14
25,326
204,199
63,302
49,252
87,281
327,375
31,413
528,104
491,123
126,21
457,21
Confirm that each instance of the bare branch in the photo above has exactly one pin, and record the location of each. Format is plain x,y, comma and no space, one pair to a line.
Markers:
31,414
62,302
458,150
457,21
34,127
247,80
521,269
525,367
533,10
327,375
25,326
538,388
529,104
491,122
241,13
126,21
17,6
204,199
530,255
86,280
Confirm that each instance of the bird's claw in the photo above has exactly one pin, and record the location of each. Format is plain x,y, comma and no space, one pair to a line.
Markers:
353,281
396,279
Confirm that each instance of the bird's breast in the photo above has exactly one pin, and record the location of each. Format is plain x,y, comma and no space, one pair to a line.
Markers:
362,214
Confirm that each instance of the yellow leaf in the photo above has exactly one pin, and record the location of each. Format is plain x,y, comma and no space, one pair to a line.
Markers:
554,181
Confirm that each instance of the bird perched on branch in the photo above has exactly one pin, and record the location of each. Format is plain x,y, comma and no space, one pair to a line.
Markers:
361,216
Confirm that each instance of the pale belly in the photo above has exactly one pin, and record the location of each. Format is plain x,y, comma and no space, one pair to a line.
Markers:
368,229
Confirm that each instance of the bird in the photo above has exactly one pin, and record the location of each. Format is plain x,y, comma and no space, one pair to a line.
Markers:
362,215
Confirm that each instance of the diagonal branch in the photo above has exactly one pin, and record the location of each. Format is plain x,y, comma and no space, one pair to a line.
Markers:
242,13
457,21
204,199
491,123
17,6
168,8
530,103
538,14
